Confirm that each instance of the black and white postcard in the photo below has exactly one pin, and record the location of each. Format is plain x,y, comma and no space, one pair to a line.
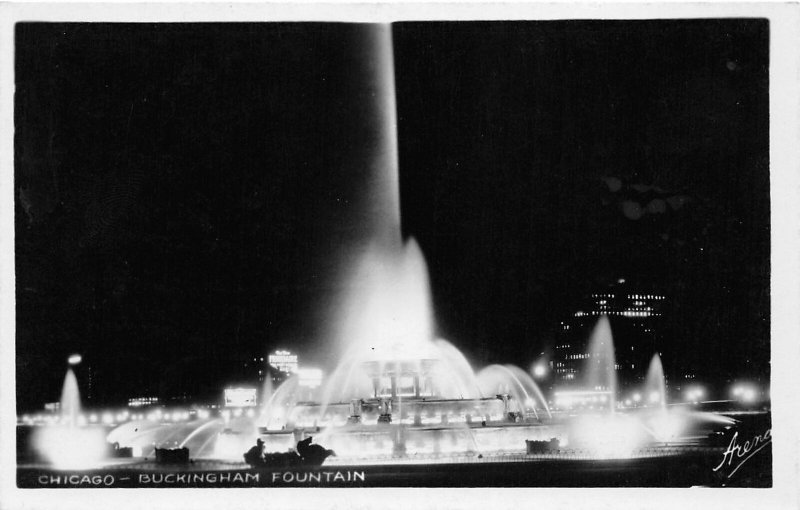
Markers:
492,256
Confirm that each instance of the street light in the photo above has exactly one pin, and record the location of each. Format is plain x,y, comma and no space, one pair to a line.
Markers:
74,359
694,394
745,392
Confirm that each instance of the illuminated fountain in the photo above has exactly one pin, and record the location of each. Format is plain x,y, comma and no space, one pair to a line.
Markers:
601,371
612,434
70,443
398,391
605,432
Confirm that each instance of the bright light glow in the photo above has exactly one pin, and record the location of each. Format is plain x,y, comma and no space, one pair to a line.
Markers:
108,418
610,436
74,359
71,447
745,392
694,393
310,377
637,397
654,397
539,370
240,397
666,426
284,361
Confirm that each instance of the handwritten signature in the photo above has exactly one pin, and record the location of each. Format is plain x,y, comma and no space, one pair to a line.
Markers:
737,454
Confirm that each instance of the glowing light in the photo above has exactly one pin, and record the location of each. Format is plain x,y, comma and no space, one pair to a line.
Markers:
666,427
694,394
654,397
283,361
71,447
142,401
310,377
74,359
240,397
745,392
539,370
610,436
637,397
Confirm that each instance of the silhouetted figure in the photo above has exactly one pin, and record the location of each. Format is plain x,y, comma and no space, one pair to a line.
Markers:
312,454
255,455
307,454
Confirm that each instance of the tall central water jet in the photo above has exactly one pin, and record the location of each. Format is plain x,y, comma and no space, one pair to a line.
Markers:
384,311
371,146
391,368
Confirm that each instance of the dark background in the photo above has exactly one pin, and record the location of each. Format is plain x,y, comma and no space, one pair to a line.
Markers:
180,187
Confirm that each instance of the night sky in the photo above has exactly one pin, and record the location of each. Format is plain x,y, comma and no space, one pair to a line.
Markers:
182,190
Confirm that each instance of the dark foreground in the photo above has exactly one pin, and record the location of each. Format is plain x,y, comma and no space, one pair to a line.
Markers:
674,471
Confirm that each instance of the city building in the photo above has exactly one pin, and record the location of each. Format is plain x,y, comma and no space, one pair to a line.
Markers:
635,314
142,401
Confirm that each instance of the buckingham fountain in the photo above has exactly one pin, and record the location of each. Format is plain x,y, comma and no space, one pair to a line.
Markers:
398,392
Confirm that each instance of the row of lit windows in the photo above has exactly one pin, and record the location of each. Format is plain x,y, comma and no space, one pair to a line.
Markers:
627,313
634,313
579,356
142,401
631,296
